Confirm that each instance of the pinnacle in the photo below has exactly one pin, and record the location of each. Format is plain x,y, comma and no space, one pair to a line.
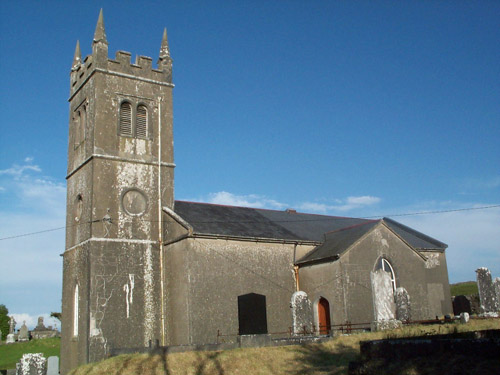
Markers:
164,52
78,55
100,33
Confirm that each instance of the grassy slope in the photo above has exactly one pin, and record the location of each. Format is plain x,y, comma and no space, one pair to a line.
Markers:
331,357
465,288
12,353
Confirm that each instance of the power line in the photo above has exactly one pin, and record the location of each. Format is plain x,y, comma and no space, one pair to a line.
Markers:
277,221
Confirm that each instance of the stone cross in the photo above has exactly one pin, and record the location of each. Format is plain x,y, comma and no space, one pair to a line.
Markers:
487,293
301,313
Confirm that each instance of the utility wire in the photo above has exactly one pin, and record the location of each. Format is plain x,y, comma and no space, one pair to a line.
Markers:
277,221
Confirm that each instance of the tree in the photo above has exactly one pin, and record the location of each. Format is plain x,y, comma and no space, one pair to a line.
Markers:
4,321
56,315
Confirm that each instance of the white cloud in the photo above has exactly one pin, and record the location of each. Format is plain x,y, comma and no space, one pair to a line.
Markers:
28,159
32,320
342,205
473,237
32,268
251,200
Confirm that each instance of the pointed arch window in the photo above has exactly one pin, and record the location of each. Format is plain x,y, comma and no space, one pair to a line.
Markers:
141,122
387,267
125,126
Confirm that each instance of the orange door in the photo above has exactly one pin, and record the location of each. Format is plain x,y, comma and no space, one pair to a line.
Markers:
324,316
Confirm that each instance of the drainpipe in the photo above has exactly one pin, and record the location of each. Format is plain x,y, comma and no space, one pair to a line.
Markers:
297,285
160,228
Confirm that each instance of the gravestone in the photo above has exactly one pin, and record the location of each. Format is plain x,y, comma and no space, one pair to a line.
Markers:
301,313
461,304
32,364
11,338
487,293
496,285
464,317
403,311
53,366
383,295
23,333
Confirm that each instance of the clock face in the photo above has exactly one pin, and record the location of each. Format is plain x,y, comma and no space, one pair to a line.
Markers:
134,202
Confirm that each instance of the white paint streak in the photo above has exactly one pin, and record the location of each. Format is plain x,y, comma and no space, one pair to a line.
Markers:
149,314
432,260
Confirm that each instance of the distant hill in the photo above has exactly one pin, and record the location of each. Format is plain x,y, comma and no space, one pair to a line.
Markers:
466,288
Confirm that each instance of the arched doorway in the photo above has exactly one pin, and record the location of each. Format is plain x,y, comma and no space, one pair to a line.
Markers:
324,324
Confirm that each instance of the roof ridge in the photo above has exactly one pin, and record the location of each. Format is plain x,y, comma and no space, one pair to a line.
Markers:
354,226
269,209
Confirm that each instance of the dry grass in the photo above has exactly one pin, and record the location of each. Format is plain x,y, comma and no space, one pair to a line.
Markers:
331,357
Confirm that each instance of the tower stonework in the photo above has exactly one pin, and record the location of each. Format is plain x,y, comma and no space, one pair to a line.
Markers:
120,174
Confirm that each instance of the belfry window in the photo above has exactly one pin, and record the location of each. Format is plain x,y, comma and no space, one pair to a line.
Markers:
141,122
386,266
125,127
133,120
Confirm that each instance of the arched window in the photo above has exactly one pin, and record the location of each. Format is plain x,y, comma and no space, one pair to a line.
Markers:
386,266
125,127
75,311
141,122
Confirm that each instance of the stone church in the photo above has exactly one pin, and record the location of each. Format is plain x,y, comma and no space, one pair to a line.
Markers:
140,267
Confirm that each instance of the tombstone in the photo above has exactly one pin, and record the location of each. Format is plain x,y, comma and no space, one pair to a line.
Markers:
487,293
403,312
53,365
301,313
464,317
23,333
496,286
12,325
461,304
32,364
383,295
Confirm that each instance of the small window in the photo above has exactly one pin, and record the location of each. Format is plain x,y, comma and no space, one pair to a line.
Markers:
75,312
386,266
125,127
141,122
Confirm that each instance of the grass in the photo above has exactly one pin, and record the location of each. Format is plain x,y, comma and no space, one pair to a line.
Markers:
466,288
12,353
331,357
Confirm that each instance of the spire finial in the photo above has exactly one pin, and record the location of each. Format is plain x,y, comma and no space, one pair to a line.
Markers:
78,55
100,33
164,52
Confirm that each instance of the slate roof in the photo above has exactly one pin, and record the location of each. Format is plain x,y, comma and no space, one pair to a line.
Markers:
336,234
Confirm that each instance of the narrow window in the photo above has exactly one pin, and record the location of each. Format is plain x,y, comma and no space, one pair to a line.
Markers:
125,127
83,124
75,312
141,123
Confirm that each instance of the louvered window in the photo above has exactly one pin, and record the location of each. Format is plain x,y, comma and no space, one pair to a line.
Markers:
141,123
125,119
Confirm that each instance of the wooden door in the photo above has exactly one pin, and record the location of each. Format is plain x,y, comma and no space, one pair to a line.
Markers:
324,316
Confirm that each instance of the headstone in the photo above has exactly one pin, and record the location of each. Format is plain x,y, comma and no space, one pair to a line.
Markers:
12,324
11,339
496,286
23,333
301,313
53,366
464,317
403,311
461,304
487,293
32,364
383,295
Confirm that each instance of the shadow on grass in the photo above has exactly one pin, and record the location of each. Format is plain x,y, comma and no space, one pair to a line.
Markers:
318,359
203,362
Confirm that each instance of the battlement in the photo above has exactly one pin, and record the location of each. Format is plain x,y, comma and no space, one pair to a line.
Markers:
141,69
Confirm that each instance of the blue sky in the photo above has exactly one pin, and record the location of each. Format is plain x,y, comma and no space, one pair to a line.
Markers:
336,107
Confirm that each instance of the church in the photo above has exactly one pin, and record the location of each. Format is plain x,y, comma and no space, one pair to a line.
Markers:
141,267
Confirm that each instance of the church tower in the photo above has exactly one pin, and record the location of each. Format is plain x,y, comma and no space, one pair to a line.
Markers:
120,174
